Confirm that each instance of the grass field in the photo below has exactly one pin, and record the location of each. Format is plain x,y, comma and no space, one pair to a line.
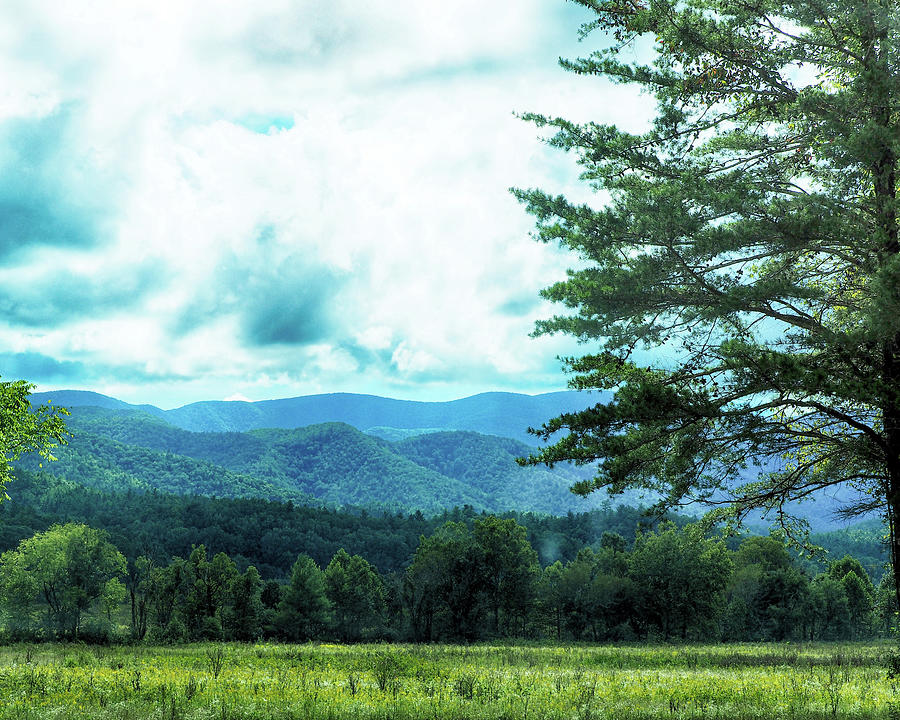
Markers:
581,682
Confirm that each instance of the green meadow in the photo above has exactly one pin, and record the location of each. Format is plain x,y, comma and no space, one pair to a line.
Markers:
515,682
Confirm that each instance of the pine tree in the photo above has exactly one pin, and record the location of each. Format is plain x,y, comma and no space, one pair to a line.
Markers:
741,277
245,616
304,611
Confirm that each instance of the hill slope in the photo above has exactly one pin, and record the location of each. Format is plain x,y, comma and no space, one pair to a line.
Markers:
489,462
329,462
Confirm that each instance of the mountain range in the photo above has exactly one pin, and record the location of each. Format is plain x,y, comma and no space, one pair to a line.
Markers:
339,450
495,413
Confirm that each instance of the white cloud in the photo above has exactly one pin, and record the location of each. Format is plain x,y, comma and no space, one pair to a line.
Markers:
382,179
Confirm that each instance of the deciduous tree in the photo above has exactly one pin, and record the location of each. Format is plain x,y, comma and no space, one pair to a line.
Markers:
511,571
446,578
681,578
24,428
356,593
65,570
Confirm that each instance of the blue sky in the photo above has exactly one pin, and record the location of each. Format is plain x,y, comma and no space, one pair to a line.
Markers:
218,199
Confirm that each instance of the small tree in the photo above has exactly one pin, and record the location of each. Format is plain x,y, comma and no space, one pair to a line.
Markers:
210,582
244,617
886,604
768,598
859,590
170,586
446,579
139,584
66,569
511,569
830,609
680,577
551,598
304,611
356,593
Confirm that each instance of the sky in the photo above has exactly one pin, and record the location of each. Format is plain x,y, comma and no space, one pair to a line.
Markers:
216,199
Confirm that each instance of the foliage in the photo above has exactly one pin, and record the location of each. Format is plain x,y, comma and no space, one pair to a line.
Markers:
139,585
66,570
510,570
681,578
304,611
768,596
245,616
464,581
269,535
208,583
445,583
750,239
356,593
25,429
330,463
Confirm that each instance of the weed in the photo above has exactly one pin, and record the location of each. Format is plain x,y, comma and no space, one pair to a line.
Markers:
216,657
464,685
353,683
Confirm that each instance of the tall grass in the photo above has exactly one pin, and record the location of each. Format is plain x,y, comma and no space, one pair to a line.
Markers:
505,682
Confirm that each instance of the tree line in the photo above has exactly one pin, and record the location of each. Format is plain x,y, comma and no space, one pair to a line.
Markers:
269,535
466,581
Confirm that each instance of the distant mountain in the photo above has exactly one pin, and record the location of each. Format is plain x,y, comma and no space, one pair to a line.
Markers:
343,450
84,398
502,414
332,463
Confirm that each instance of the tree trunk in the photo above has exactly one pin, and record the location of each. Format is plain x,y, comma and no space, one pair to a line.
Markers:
884,175
893,506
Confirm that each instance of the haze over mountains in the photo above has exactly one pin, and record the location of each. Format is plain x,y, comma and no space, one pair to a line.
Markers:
340,449
503,414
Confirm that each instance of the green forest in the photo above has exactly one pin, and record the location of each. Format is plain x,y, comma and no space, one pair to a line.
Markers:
328,463
104,567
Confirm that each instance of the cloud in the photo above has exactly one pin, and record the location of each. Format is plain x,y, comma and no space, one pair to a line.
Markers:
48,186
298,197
292,33
44,369
55,296
522,305
292,305
274,294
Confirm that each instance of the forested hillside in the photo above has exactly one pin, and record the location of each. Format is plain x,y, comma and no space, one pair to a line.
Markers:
330,463
194,568
412,461
269,535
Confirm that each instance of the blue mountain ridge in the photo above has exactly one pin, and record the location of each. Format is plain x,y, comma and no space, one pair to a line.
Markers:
504,415
494,413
